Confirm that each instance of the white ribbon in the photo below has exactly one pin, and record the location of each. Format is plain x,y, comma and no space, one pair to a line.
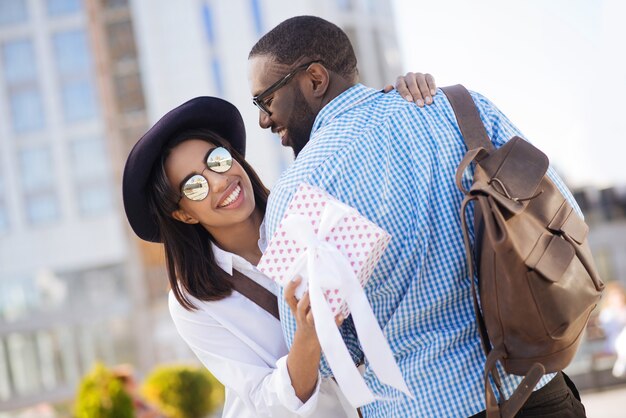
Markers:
322,265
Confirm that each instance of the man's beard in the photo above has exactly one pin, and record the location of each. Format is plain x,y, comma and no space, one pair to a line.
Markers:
300,123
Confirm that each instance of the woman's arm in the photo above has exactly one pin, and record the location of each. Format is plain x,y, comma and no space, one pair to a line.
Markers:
243,347
256,373
304,357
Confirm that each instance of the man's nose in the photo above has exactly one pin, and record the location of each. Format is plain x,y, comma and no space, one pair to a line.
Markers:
264,120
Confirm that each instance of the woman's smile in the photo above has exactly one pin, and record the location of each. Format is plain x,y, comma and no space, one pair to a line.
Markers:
232,197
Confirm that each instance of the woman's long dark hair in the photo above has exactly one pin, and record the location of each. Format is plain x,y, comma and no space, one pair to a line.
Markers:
190,262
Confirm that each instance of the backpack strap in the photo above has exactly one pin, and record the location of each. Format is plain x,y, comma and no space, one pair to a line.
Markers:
467,116
482,327
256,293
479,146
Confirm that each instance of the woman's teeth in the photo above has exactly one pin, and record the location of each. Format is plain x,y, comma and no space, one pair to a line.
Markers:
231,197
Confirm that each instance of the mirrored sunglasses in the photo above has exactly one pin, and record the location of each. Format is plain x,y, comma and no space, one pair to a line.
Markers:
196,187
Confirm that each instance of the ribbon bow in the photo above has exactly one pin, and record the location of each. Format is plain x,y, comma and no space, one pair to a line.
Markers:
322,265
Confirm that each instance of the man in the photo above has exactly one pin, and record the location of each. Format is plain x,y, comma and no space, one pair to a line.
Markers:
395,163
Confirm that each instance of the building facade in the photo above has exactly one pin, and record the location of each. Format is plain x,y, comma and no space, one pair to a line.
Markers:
80,81
65,296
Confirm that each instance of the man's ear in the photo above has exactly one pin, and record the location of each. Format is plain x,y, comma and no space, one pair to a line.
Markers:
319,78
182,216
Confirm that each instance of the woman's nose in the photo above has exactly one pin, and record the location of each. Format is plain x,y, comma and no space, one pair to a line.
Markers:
218,182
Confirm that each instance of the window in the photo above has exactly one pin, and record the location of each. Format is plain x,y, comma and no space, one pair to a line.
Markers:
91,171
217,76
207,19
23,363
36,169
18,58
68,353
73,63
93,200
5,382
89,158
388,56
79,100
378,8
37,177
13,11
42,208
47,362
114,4
71,52
4,218
26,110
121,41
52,291
17,296
344,5
129,92
25,101
35,362
256,16
63,7
209,30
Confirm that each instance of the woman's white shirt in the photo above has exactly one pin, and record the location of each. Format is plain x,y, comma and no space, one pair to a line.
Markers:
242,345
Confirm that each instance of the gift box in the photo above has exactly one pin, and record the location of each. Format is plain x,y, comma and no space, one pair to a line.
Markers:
359,241
335,250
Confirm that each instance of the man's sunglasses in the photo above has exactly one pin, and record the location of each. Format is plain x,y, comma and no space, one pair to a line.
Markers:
196,187
260,100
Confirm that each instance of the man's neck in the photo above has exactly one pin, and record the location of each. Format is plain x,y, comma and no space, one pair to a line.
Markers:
337,86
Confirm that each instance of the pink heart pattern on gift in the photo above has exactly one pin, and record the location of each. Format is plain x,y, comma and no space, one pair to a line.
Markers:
360,241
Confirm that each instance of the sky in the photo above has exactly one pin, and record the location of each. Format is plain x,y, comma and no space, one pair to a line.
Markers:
556,68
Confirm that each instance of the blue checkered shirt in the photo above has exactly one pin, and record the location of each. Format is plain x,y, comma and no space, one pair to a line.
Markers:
395,163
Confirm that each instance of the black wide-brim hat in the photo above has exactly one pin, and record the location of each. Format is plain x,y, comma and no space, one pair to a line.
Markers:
204,112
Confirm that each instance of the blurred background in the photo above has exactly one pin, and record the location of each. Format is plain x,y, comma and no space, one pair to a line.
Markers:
82,80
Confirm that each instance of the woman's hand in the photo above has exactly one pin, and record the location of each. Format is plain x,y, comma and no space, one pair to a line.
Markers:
415,87
301,310
304,357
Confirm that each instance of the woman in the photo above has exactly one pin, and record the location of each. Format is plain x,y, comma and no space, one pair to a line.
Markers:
187,185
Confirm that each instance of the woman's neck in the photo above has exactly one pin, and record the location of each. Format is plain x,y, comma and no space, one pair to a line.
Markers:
242,239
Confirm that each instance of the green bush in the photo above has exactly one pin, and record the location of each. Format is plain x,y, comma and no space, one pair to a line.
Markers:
102,395
183,391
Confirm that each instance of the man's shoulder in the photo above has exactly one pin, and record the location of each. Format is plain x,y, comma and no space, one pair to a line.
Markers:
382,105
368,114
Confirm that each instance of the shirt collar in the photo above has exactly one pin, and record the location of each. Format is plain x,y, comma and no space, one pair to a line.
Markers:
223,258
229,261
340,104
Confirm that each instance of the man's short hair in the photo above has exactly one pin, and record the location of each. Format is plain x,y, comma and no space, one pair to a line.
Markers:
312,37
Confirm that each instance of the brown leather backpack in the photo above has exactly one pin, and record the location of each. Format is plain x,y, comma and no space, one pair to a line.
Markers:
537,279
